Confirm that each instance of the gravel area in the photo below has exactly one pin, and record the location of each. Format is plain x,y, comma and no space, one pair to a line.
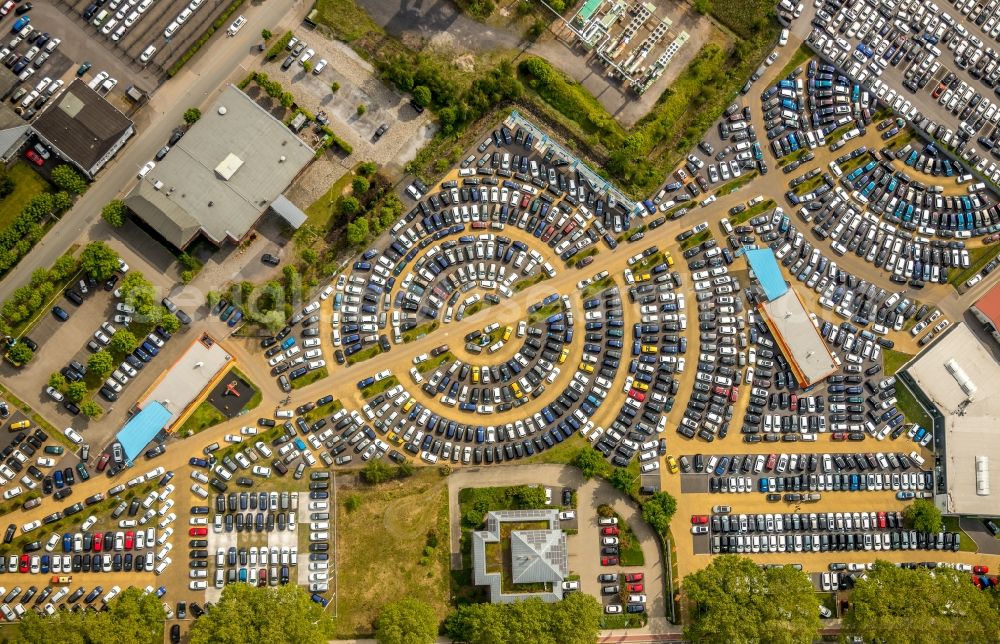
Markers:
407,133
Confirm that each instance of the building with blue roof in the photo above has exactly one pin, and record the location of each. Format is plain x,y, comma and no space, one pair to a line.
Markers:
143,428
766,270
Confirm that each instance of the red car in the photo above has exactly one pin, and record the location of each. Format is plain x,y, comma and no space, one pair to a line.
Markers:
839,436
980,570
25,562
7,7
634,588
129,540
938,91
103,463
636,395
734,394
34,158
881,520
262,578
198,532
633,577
794,404
609,561
98,541
611,530
698,519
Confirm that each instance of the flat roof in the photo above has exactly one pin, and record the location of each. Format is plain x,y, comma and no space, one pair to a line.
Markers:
142,428
223,175
82,124
972,427
798,338
989,305
187,378
766,270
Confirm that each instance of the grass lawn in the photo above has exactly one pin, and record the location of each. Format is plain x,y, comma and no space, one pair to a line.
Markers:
310,377
907,403
623,621
419,331
204,416
801,55
433,363
978,257
396,538
27,184
598,286
951,524
694,240
736,183
749,213
364,354
893,360
380,386
323,410
631,550
520,285
320,211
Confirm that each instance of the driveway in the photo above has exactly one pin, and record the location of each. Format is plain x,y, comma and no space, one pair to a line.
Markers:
985,542
438,21
584,557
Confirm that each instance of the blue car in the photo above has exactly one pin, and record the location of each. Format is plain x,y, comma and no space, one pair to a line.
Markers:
19,24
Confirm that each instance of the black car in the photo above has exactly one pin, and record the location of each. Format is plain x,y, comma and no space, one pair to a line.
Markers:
176,136
288,63
23,9
109,284
382,129
162,152
268,258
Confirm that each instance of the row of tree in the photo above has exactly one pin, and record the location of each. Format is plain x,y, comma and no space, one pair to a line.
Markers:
735,600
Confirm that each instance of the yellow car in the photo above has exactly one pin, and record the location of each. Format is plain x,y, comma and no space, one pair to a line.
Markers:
21,424
586,366
516,388
641,386
475,374
649,348
672,464
563,355
643,277
506,333
408,405
670,259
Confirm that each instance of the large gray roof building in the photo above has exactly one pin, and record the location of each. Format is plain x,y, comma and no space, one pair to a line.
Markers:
536,556
83,128
223,176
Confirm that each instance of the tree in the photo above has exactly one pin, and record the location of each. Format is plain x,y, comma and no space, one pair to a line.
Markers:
359,186
133,616
170,322
623,480
422,95
76,391
65,266
590,462
68,179
376,471
277,614
406,621
348,206
307,66
734,600
191,115
137,291
658,510
101,363
361,109
574,620
703,7
99,260
357,232
265,34
62,201
113,212
334,87
90,409
919,605
923,516
20,354
57,381
530,497
123,341
309,256
367,169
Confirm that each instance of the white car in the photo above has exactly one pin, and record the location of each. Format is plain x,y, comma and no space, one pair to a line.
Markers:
73,435
54,394
88,523
146,169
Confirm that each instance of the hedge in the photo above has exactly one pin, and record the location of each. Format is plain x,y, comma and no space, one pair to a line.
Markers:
193,49
278,46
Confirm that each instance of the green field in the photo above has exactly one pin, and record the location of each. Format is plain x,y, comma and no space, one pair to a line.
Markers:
978,257
27,184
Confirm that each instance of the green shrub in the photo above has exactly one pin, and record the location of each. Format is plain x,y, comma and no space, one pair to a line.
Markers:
279,46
